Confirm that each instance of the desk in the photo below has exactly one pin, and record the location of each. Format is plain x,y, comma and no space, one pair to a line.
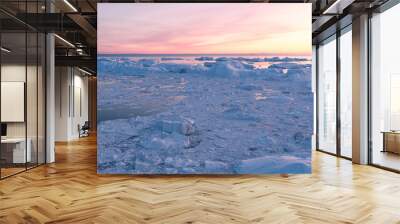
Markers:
18,150
391,141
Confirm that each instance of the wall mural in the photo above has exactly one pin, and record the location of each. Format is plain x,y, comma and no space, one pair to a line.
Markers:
204,88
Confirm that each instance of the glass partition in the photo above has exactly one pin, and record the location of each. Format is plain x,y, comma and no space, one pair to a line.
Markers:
14,153
41,97
327,95
31,99
22,78
32,85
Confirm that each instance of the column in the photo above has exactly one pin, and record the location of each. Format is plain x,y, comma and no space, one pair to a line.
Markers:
360,90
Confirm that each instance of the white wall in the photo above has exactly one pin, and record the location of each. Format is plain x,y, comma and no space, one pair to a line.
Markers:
80,104
70,84
62,82
33,126
17,73
14,72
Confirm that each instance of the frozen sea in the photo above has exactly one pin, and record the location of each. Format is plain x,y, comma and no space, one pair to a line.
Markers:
204,114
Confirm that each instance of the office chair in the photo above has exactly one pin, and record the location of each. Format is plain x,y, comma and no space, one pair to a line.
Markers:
84,130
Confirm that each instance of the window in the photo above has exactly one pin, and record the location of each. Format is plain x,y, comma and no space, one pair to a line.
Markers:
346,92
327,95
385,89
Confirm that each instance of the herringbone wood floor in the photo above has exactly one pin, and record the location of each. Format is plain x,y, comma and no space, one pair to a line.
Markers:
70,191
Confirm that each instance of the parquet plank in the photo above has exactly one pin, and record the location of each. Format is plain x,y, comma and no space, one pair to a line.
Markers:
70,191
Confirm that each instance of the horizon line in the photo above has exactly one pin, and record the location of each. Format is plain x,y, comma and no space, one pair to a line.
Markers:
260,54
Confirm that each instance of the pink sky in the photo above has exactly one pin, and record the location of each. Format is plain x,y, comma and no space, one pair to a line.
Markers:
198,28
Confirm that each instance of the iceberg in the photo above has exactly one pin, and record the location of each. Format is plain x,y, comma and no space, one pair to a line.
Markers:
216,167
171,59
230,68
146,62
181,68
242,59
285,59
204,58
274,164
288,65
215,116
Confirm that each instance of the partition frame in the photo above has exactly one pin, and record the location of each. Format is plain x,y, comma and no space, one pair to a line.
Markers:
338,34
44,95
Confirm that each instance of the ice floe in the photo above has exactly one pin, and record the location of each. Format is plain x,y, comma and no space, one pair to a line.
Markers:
222,115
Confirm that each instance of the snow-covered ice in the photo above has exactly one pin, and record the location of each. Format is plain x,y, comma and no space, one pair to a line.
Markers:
219,115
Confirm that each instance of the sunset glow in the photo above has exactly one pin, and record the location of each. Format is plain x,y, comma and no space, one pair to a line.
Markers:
229,28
